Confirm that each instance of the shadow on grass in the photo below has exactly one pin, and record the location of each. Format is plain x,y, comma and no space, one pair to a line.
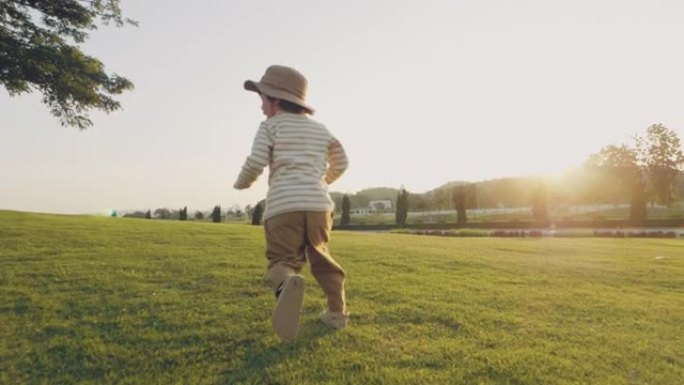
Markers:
262,355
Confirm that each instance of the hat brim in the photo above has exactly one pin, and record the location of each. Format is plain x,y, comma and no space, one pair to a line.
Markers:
265,89
251,85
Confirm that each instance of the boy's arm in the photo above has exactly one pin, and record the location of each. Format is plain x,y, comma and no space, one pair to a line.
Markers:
257,160
337,161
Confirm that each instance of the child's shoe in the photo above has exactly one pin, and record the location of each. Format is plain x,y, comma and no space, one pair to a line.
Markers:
336,320
288,306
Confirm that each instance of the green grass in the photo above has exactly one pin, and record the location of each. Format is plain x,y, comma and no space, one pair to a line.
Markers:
86,300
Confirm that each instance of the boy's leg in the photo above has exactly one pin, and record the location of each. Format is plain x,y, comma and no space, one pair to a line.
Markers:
328,273
285,236
285,243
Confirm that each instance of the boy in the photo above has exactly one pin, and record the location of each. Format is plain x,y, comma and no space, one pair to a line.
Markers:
303,159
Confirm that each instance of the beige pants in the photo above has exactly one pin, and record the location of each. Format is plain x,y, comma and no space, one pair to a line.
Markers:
290,238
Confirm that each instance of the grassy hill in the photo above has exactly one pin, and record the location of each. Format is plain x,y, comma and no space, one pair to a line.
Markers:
86,300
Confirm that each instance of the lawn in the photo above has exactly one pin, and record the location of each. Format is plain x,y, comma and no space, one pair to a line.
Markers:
90,300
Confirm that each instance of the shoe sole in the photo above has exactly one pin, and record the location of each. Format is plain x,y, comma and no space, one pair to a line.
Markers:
288,308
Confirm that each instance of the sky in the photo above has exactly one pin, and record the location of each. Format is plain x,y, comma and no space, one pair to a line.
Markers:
420,93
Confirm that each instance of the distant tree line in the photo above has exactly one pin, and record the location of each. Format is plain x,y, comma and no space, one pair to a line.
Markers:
215,215
647,171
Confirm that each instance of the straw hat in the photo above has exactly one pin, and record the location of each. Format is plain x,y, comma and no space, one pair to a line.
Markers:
282,82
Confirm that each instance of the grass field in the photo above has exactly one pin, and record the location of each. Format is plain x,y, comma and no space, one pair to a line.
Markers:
86,300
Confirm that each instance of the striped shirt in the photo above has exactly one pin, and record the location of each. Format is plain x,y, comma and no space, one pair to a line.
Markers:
303,159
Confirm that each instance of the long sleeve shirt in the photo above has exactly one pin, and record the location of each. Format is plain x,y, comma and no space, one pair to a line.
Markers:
303,159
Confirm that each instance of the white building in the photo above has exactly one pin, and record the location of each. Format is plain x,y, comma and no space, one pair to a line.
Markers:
380,205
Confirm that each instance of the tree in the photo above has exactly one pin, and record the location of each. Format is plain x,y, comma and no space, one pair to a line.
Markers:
258,212
459,201
148,214
401,212
379,206
660,153
45,55
440,199
234,211
135,214
183,214
216,214
162,213
620,164
199,215
540,211
337,200
419,202
344,221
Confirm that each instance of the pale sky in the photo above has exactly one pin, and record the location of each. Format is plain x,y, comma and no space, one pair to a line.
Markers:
419,92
